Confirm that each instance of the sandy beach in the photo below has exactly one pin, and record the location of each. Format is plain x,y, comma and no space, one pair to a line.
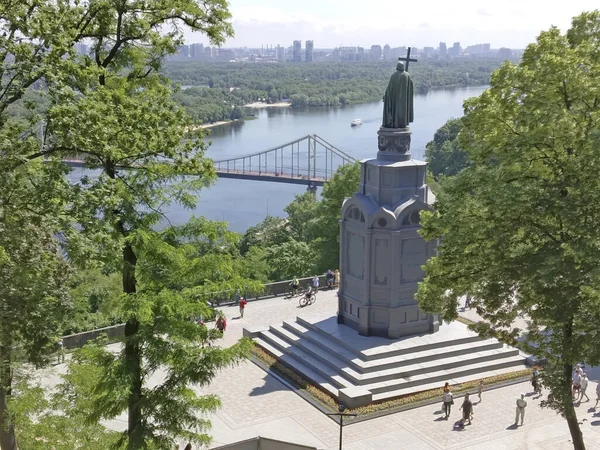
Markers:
268,105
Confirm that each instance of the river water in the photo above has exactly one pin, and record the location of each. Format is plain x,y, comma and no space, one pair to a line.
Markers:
245,203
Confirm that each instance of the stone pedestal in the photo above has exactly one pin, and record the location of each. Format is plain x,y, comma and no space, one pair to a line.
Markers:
381,252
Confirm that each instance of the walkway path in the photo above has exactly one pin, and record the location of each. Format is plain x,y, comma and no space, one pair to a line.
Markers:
257,404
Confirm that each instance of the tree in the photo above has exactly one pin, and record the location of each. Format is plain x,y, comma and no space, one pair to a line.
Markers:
302,213
443,154
291,259
271,231
519,224
115,111
326,226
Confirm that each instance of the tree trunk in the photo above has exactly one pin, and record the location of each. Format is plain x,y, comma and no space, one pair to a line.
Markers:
132,356
8,441
570,413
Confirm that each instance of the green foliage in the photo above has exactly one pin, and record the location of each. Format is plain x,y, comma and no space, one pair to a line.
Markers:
271,231
518,224
290,259
326,225
218,87
444,155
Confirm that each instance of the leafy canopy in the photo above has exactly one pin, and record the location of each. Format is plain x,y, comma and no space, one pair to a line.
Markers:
519,224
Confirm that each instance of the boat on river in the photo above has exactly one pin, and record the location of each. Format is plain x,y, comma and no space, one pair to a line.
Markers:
356,122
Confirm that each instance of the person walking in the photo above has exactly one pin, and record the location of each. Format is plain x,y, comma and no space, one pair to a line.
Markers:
448,402
221,324
61,351
315,283
480,389
597,395
329,276
535,381
583,386
520,411
467,410
336,277
576,382
243,304
468,301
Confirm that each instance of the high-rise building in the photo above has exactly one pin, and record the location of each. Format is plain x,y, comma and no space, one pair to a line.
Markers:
504,53
309,51
280,53
375,52
197,51
387,52
297,51
360,54
486,48
455,50
443,50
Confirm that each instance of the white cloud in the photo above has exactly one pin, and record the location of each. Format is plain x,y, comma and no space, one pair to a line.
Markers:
329,23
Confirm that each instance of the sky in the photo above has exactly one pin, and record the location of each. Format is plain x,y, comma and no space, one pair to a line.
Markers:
418,23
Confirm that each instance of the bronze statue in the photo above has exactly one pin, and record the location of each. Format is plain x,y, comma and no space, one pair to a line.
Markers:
398,100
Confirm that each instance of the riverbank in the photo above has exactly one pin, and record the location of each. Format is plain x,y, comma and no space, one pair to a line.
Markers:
259,105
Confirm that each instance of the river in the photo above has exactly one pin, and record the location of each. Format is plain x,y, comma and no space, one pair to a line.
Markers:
245,203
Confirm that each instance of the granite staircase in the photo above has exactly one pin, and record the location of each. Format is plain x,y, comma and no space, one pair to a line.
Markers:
360,370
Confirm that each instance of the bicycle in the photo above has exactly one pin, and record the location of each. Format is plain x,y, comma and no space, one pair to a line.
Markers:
308,298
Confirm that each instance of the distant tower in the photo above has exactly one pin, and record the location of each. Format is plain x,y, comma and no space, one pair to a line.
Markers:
375,52
309,51
280,53
443,50
387,52
297,51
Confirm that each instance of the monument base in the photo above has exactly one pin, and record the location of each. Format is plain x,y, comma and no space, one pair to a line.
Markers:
358,370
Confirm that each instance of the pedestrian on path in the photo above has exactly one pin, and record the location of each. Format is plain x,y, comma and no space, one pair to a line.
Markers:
221,324
576,382
467,410
583,386
597,395
336,277
480,389
61,351
521,405
535,381
315,283
468,301
448,402
243,304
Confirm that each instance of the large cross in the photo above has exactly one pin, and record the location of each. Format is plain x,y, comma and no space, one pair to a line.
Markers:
407,59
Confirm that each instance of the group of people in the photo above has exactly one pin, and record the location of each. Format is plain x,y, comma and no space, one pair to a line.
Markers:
466,407
580,385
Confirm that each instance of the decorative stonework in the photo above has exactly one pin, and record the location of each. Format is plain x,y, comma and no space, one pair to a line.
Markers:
394,143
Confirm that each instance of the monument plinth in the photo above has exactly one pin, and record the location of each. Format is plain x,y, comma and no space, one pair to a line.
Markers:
381,251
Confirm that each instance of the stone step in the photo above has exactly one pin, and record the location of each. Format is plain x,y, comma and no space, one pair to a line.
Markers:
329,345
388,395
328,371
440,376
376,353
326,343
316,378
401,370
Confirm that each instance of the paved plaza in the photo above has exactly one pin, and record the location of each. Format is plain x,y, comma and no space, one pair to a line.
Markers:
257,404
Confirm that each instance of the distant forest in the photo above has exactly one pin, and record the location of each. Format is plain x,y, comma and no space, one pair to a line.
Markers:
217,91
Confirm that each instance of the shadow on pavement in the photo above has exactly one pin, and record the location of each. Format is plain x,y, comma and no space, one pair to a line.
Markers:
512,427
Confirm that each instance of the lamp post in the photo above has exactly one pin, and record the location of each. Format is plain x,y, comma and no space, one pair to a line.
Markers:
341,415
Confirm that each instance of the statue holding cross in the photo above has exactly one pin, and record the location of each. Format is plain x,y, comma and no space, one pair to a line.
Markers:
398,99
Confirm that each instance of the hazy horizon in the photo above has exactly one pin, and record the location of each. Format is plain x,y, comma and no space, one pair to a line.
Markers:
332,23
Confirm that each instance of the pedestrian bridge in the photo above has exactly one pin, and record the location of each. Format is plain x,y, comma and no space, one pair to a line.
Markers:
309,160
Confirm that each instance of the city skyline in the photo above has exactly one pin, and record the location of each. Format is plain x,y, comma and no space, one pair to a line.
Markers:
337,23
